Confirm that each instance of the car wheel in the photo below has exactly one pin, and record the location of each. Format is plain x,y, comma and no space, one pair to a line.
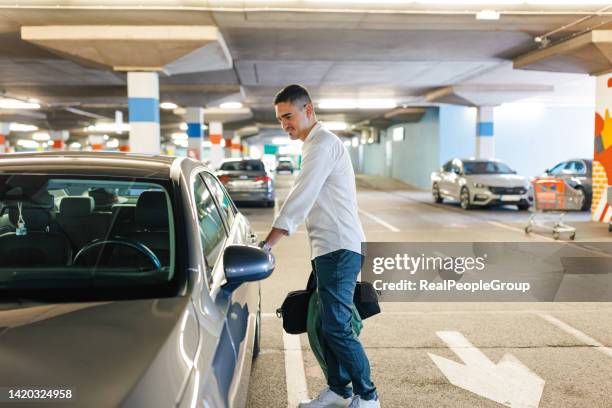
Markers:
464,199
523,206
435,191
586,203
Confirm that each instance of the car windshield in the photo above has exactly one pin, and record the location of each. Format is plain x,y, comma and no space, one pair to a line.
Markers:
91,235
243,165
486,167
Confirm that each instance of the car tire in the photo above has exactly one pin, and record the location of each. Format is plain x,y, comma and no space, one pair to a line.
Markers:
523,206
435,191
586,203
464,199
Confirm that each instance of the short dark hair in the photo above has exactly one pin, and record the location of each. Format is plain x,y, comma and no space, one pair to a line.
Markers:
292,94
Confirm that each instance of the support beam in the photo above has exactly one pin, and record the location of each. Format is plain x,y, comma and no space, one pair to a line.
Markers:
195,135
143,110
485,141
215,131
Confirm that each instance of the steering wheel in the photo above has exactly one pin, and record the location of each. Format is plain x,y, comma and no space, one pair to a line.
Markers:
143,249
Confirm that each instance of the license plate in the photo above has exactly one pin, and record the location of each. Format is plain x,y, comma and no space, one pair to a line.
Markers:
510,198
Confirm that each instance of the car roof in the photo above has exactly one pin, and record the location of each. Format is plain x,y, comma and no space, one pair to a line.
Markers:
89,163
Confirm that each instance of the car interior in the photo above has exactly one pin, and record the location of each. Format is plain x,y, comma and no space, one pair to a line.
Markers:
118,226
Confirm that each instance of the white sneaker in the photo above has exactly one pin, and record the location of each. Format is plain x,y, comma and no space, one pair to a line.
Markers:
326,399
357,402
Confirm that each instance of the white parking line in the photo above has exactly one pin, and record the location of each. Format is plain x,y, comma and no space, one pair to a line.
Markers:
585,338
378,220
294,370
521,230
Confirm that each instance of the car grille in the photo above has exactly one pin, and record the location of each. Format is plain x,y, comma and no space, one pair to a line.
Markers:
508,190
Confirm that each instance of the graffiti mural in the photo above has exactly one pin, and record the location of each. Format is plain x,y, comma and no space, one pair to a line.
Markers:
602,159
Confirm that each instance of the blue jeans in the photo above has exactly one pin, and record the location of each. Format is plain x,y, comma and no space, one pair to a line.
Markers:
347,362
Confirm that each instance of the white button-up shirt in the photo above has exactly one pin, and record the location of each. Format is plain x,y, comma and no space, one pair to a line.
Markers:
324,195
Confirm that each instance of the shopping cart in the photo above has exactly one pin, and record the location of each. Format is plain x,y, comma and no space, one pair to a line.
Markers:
553,197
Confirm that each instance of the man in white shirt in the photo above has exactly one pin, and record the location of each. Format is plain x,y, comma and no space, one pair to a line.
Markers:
324,197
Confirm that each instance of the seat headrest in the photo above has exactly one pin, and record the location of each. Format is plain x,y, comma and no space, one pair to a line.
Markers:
76,206
152,210
36,219
103,199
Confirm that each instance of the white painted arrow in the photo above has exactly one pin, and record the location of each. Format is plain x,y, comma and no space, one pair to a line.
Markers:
508,382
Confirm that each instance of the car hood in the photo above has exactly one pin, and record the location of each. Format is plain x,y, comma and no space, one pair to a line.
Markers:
99,350
498,180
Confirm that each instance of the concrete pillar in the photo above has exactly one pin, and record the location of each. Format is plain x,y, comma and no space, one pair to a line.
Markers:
227,148
59,138
485,141
215,132
124,145
602,156
5,129
143,111
236,146
96,142
195,136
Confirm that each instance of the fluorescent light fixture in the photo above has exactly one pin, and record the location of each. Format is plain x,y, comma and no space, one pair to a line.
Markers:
355,142
280,140
20,127
231,105
10,103
179,136
105,137
28,144
41,136
347,143
168,105
183,126
113,143
398,134
335,125
487,15
107,127
370,140
74,146
370,103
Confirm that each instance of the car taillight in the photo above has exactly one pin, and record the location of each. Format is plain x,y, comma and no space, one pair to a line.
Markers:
264,179
224,179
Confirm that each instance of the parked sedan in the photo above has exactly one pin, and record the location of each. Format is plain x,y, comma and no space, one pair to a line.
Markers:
479,182
153,302
285,164
247,181
579,174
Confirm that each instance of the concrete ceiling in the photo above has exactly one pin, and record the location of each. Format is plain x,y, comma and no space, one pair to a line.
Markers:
404,54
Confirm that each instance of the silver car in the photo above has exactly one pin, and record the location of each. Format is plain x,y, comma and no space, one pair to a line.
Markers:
153,301
247,181
480,182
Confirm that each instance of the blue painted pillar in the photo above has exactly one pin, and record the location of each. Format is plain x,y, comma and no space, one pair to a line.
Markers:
143,111
485,141
195,133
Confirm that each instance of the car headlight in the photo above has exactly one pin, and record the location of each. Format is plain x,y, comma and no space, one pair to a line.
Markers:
479,185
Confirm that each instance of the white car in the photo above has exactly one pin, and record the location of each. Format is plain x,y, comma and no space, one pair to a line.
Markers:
480,182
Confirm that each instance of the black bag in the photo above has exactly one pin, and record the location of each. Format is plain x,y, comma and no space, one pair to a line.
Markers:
365,299
294,310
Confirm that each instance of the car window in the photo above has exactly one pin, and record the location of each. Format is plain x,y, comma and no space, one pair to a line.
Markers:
212,232
222,198
243,165
486,167
577,167
447,166
558,169
87,236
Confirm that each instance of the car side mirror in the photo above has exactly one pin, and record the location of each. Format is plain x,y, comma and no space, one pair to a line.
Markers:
245,263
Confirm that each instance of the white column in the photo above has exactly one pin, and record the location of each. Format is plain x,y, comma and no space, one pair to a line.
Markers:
124,144
215,134
602,156
236,146
5,129
485,141
59,138
227,146
143,110
96,142
195,135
